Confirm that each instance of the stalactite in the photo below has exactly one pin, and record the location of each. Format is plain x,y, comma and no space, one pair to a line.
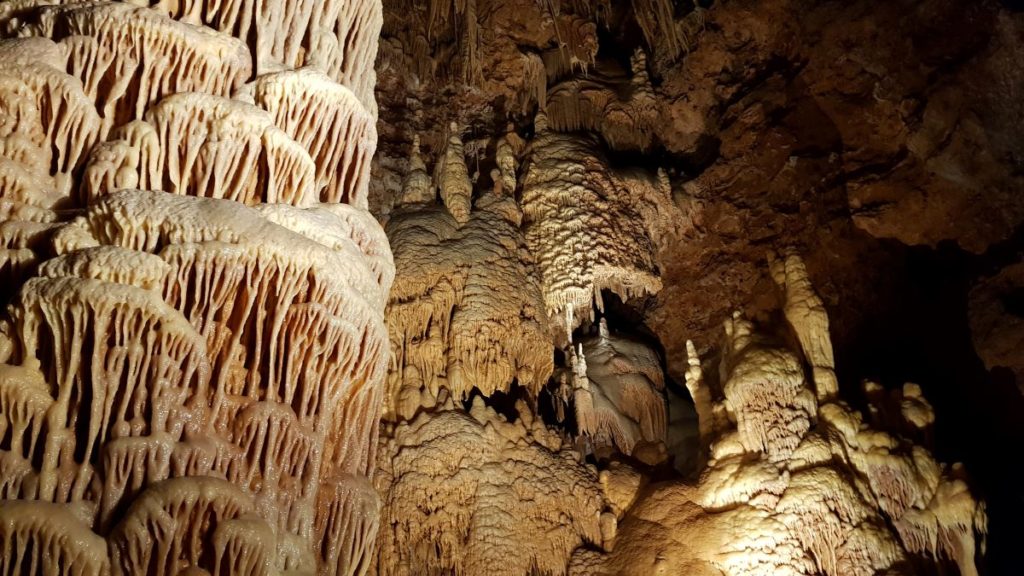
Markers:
190,378
624,112
657,21
525,502
203,145
535,83
466,310
591,228
329,122
129,49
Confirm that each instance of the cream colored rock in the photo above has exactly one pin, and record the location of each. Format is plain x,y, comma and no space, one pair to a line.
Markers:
418,186
338,38
330,122
806,314
452,177
188,385
465,311
128,57
522,507
201,145
623,403
794,487
590,228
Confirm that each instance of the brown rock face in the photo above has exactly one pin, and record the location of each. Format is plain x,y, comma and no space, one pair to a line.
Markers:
997,325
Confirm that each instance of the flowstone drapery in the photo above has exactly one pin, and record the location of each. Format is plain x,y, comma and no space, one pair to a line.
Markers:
194,348
476,494
590,228
466,311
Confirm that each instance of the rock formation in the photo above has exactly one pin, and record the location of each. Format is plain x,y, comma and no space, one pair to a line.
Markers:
795,485
274,301
466,311
475,494
194,349
591,228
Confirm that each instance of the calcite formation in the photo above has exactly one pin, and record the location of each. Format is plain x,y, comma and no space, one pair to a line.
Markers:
591,228
476,494
796,484
820,126
621,109
618,393
466,310
194,351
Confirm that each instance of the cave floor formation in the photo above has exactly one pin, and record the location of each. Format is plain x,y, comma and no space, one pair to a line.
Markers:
511,287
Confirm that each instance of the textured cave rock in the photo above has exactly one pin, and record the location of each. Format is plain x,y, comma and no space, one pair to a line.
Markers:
465,312
254,324
795,485
591,228
618,395
194,349
660,153
471,493
997,326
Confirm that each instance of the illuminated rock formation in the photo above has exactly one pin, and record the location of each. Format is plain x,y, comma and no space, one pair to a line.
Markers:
794,486
194,352
622,110
465,311
590,228
474,494
619,400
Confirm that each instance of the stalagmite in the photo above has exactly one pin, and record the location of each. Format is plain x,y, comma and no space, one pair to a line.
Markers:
508,150
418,187
806,314
624,405
700,392
193,357
452,177
794,486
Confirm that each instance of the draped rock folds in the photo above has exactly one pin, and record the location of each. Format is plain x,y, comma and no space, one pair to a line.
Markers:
523,501
192,358
466,310
590,228
620,401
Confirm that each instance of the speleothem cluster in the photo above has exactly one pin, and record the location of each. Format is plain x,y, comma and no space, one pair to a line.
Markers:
194,350
797,483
